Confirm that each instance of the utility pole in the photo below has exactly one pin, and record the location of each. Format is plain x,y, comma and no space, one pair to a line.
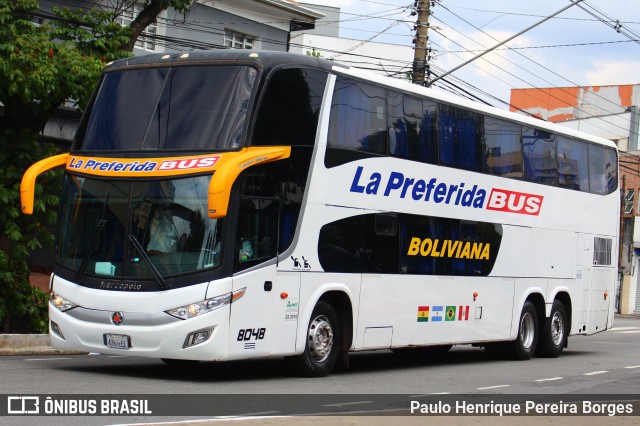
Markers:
423,9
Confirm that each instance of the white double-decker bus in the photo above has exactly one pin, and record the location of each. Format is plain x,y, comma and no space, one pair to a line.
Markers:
232,205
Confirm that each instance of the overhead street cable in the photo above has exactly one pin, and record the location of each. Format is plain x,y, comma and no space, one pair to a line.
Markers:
398,69
536,75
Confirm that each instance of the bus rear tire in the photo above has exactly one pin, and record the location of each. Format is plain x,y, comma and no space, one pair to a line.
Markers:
554,332
322,345
525,344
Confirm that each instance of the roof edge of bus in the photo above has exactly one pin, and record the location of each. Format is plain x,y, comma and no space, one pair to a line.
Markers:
407,86
265,57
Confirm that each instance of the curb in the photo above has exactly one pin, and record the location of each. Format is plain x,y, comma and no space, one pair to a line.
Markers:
30,344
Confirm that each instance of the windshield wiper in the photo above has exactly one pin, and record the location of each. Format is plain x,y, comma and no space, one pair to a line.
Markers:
154,271
102,222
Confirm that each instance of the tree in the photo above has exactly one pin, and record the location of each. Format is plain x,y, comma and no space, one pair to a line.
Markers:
41,68
148,15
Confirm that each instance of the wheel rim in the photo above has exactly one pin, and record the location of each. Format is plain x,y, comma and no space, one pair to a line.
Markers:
320,338
557,329
527,330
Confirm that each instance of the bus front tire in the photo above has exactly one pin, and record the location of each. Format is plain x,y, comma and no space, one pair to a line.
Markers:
554,332
524,346
322,342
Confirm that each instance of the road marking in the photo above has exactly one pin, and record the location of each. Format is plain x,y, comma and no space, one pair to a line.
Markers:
550,379
44,359
628,332
494,387
633,366
343,404
623,328
593,373
215,419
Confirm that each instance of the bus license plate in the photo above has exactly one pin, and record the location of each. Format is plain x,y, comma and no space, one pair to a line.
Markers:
117,341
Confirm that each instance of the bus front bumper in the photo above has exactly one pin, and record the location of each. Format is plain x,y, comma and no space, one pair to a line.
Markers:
202,338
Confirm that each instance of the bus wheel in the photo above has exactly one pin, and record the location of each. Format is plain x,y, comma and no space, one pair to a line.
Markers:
323,342
554,333
525,344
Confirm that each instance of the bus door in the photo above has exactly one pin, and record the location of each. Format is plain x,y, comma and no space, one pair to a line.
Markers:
254,265
597,279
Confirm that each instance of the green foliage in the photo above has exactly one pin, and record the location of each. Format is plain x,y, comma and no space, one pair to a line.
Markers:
41,67
23,308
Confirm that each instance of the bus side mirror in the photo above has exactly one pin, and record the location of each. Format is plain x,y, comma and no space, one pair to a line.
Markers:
229,170
28,183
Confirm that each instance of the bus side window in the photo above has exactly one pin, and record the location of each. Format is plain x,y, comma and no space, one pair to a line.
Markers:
460,133
289,109
573,163
358,117
503,150
540,156
256,236
611,169
597,178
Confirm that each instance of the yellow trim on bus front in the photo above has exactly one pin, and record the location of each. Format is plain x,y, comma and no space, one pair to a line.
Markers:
28,183
227,172
226,167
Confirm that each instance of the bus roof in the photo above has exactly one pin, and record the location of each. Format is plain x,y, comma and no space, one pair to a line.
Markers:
262,59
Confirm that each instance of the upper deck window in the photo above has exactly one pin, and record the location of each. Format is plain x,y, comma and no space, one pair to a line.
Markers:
358,118
182,108
290,107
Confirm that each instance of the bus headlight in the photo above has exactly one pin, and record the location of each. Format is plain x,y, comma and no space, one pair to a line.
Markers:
205,306
60,302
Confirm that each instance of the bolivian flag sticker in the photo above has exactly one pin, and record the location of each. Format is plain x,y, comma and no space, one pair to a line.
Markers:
423,314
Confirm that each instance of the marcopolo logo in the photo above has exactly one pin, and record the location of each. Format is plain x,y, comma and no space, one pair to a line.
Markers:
400,186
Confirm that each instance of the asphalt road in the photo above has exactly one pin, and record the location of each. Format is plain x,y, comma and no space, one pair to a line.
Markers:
604,366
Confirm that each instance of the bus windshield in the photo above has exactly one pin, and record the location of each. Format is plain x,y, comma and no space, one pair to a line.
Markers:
137,229
182,108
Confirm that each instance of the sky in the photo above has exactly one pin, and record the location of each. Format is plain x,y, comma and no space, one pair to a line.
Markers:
574,48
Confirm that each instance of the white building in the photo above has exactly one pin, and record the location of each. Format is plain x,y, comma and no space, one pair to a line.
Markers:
388,59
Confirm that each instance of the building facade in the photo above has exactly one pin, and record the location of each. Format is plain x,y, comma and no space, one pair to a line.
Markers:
209,24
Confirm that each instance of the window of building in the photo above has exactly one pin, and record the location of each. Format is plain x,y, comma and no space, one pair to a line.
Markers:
39,21
146,41
236,40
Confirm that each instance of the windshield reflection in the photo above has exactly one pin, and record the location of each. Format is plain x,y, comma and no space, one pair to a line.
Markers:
137,229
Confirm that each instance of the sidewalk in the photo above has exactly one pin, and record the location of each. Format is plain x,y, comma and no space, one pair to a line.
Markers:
29,344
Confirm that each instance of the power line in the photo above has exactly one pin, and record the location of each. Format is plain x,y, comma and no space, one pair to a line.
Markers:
538,76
